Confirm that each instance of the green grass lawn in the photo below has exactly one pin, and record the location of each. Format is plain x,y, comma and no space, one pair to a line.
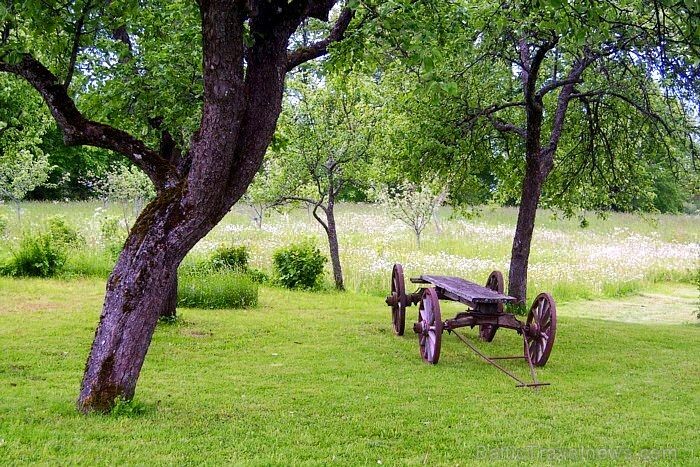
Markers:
319,378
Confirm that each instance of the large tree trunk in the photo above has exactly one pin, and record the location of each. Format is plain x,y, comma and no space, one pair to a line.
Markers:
238,121
333,247
139,291
520,254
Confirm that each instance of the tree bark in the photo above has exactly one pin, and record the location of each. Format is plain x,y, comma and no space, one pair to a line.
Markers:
520,253
169,311
333,247
138,290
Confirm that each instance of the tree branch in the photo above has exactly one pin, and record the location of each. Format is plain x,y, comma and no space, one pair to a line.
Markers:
76,44
639,108
315,203
490,110
77,130
504,127
563,100
318,218
303,54
552,85
532,64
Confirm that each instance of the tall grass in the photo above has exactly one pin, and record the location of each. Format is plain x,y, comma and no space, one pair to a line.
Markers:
217,289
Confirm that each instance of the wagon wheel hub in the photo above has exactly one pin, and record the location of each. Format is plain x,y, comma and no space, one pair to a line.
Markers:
534,330
421,327
393,299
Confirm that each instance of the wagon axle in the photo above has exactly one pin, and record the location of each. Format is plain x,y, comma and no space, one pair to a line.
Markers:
485,310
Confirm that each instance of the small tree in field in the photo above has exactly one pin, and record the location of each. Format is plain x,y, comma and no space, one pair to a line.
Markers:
130,188
21,173
328,127
261,195
23,123
414,205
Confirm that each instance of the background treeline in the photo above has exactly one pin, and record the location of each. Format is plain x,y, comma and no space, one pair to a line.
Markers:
75,171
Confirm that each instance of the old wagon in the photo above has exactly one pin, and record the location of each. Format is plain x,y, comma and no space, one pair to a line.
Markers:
485,310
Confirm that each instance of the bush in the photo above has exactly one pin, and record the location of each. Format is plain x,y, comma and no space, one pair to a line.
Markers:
299,266
38,255
64,234
258,276
230,257
221,289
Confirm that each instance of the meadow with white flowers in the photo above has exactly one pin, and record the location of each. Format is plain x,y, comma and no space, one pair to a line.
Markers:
612,256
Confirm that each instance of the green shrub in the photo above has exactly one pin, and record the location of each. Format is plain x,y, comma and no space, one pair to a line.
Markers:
64,234
220,289
230,257
38,255
299,266
258,276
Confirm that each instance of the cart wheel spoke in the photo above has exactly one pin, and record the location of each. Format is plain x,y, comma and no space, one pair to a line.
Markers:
546,326
494,282
430,336
542,322
398,294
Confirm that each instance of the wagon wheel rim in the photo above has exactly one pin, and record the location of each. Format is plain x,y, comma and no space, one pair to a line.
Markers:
398,308
495,282
541,329
430,321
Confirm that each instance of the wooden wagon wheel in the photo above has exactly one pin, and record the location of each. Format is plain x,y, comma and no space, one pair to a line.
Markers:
398,300
429,326
495,283
541,327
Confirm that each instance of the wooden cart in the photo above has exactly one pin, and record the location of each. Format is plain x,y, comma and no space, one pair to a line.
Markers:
485,310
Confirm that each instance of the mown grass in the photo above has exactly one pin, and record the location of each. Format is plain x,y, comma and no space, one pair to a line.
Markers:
309,378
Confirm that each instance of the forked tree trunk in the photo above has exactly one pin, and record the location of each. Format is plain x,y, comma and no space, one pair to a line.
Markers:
333,248
225,154
539,159
243,85
139,291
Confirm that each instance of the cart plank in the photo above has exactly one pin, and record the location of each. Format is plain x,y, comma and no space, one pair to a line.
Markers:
466,290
